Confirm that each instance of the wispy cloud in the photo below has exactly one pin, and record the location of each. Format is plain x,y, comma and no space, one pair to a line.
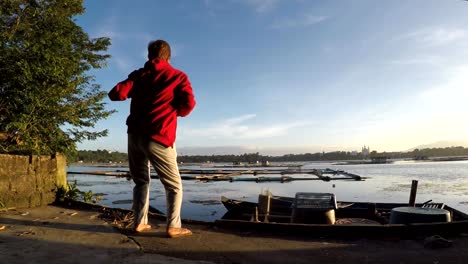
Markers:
302,21
239,119
262,6
121,63
207,3
429,60
452,94
120,39
237,128
437,36
108,27
108,33
438,113
259,6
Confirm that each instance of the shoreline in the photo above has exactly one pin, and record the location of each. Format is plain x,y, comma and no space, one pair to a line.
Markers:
297,164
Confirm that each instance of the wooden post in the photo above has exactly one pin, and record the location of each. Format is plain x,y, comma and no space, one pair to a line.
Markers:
264,205
255,215
414,189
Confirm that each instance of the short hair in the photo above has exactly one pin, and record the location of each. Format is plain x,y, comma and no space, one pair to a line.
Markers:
159,49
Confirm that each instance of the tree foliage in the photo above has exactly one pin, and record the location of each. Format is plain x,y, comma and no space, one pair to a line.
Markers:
48,101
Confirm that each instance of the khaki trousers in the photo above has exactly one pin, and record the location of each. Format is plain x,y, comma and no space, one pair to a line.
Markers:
141,153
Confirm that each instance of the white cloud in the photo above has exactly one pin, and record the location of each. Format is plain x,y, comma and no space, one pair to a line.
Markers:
236,128
302,21
437,36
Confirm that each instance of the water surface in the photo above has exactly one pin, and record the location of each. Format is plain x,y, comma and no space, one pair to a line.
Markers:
440,181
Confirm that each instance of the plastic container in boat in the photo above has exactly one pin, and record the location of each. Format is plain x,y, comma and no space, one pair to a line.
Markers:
409,215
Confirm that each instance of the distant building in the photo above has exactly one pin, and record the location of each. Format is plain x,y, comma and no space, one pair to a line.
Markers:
365,151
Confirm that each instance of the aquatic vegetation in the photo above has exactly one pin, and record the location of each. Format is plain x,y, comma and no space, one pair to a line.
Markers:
71,192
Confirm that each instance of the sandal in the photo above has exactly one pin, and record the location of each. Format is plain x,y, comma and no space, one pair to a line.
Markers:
141,228
178,232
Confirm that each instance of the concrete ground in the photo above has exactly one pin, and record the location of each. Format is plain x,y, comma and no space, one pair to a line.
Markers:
59,235
54,234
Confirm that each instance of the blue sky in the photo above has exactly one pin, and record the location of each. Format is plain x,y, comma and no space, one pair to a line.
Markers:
295,76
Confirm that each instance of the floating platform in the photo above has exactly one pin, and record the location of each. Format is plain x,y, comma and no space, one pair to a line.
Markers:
263,175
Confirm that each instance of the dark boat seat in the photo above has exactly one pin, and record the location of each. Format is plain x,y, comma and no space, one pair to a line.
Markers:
314,208
315,201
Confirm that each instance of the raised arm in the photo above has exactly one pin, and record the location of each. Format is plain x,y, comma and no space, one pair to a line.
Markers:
184,99
121,91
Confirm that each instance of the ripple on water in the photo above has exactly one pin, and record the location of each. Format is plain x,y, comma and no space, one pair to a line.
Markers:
122,202
205,202
430,187
446,182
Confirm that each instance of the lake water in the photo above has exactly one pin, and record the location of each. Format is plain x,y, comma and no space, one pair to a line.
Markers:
445,182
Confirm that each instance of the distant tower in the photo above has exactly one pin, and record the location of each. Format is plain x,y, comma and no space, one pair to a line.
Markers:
365,151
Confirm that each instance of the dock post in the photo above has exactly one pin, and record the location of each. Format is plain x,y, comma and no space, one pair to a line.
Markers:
414,189
264,205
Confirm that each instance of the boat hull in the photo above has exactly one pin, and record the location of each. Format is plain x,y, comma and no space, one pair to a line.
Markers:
347,231
376,216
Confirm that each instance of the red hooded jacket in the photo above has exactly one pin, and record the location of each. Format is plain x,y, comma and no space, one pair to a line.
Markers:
159,94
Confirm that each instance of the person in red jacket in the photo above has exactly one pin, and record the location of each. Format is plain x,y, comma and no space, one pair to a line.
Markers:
159,94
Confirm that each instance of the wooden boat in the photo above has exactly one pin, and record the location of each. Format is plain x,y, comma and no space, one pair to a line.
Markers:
353,219
279,205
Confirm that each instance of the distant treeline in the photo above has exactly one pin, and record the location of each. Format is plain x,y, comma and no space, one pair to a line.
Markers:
98,156
105,156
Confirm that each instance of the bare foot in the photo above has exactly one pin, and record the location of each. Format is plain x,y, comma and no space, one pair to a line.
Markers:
2,227
173,232
141,228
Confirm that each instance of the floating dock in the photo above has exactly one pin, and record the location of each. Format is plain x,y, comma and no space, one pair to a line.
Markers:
231,175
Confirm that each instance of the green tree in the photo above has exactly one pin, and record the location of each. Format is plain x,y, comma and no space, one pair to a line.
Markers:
48,101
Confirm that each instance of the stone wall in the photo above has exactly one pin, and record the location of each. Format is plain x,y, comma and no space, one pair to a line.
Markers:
31,181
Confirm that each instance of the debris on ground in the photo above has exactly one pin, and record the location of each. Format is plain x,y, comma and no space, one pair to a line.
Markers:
434,242
30,232
122,220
